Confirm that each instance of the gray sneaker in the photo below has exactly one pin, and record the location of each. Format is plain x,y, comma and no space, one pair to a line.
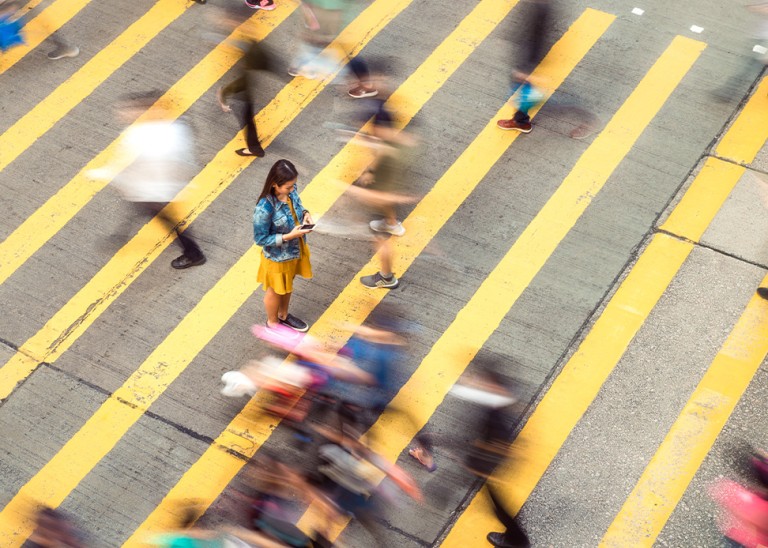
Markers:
64,51
377,280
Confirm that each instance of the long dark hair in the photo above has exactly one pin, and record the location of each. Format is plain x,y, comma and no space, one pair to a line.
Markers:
282,172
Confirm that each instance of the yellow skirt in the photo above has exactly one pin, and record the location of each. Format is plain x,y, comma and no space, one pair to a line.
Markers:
279,276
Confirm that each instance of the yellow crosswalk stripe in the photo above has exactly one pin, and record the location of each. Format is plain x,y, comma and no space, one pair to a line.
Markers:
58,210
575,388
672,468
702,201
43,116
579,382
451,354
64,328
84,450
41,27
748,135
249,429
670,471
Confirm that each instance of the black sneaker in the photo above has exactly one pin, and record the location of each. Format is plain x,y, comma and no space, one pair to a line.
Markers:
295,323
497,539
377,280
180,263
763,292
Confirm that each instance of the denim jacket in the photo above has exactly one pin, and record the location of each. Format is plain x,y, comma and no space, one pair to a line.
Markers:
271,219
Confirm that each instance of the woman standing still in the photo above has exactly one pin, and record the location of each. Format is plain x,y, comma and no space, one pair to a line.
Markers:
285,253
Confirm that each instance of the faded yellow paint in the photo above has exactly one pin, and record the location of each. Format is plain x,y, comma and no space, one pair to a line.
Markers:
86,305
747,135
43,116
577,385
703,199
687,443
475,322
86,448
583,375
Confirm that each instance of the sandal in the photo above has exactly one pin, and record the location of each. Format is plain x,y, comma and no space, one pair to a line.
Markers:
418,454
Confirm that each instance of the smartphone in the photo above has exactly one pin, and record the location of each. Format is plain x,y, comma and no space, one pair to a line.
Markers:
307,227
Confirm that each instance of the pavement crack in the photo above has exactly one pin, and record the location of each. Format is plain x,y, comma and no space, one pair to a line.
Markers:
715,249
11,345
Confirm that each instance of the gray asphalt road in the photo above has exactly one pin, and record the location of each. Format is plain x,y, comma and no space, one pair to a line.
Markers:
536,336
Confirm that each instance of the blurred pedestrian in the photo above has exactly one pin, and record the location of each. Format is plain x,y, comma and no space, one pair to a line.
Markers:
10,25
383,186
492,445
163,163
743,519
536,23
53,529
255,58
280,226
349,475
323,21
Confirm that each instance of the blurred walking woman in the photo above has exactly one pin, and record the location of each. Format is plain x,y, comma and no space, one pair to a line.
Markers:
277,222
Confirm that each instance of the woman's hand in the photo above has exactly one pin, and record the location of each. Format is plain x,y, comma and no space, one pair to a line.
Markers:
297,232
307,219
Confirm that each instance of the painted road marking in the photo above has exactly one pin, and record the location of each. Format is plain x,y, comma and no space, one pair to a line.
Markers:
748,133
475,323
245,434
41,27
576,387
64,328
110,422
672,468
703,199
51,217
665,479
43,116
584,374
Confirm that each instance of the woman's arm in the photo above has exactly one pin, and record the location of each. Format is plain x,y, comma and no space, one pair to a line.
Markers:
262,226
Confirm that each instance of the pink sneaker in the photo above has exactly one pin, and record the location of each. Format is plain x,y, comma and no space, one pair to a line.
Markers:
266,5
280,336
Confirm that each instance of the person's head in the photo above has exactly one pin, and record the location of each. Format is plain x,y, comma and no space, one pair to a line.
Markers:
280,179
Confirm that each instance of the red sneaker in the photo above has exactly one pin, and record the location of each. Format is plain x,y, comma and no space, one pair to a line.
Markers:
516,126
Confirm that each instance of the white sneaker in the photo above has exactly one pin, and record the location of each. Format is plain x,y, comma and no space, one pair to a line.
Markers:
381,225
236,384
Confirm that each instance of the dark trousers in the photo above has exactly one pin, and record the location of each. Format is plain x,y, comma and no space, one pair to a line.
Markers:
157,209
514,534
256,58
247,122
244,111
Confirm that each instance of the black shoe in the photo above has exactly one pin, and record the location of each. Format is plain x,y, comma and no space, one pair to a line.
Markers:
763,292
294,323
180,263
497,539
